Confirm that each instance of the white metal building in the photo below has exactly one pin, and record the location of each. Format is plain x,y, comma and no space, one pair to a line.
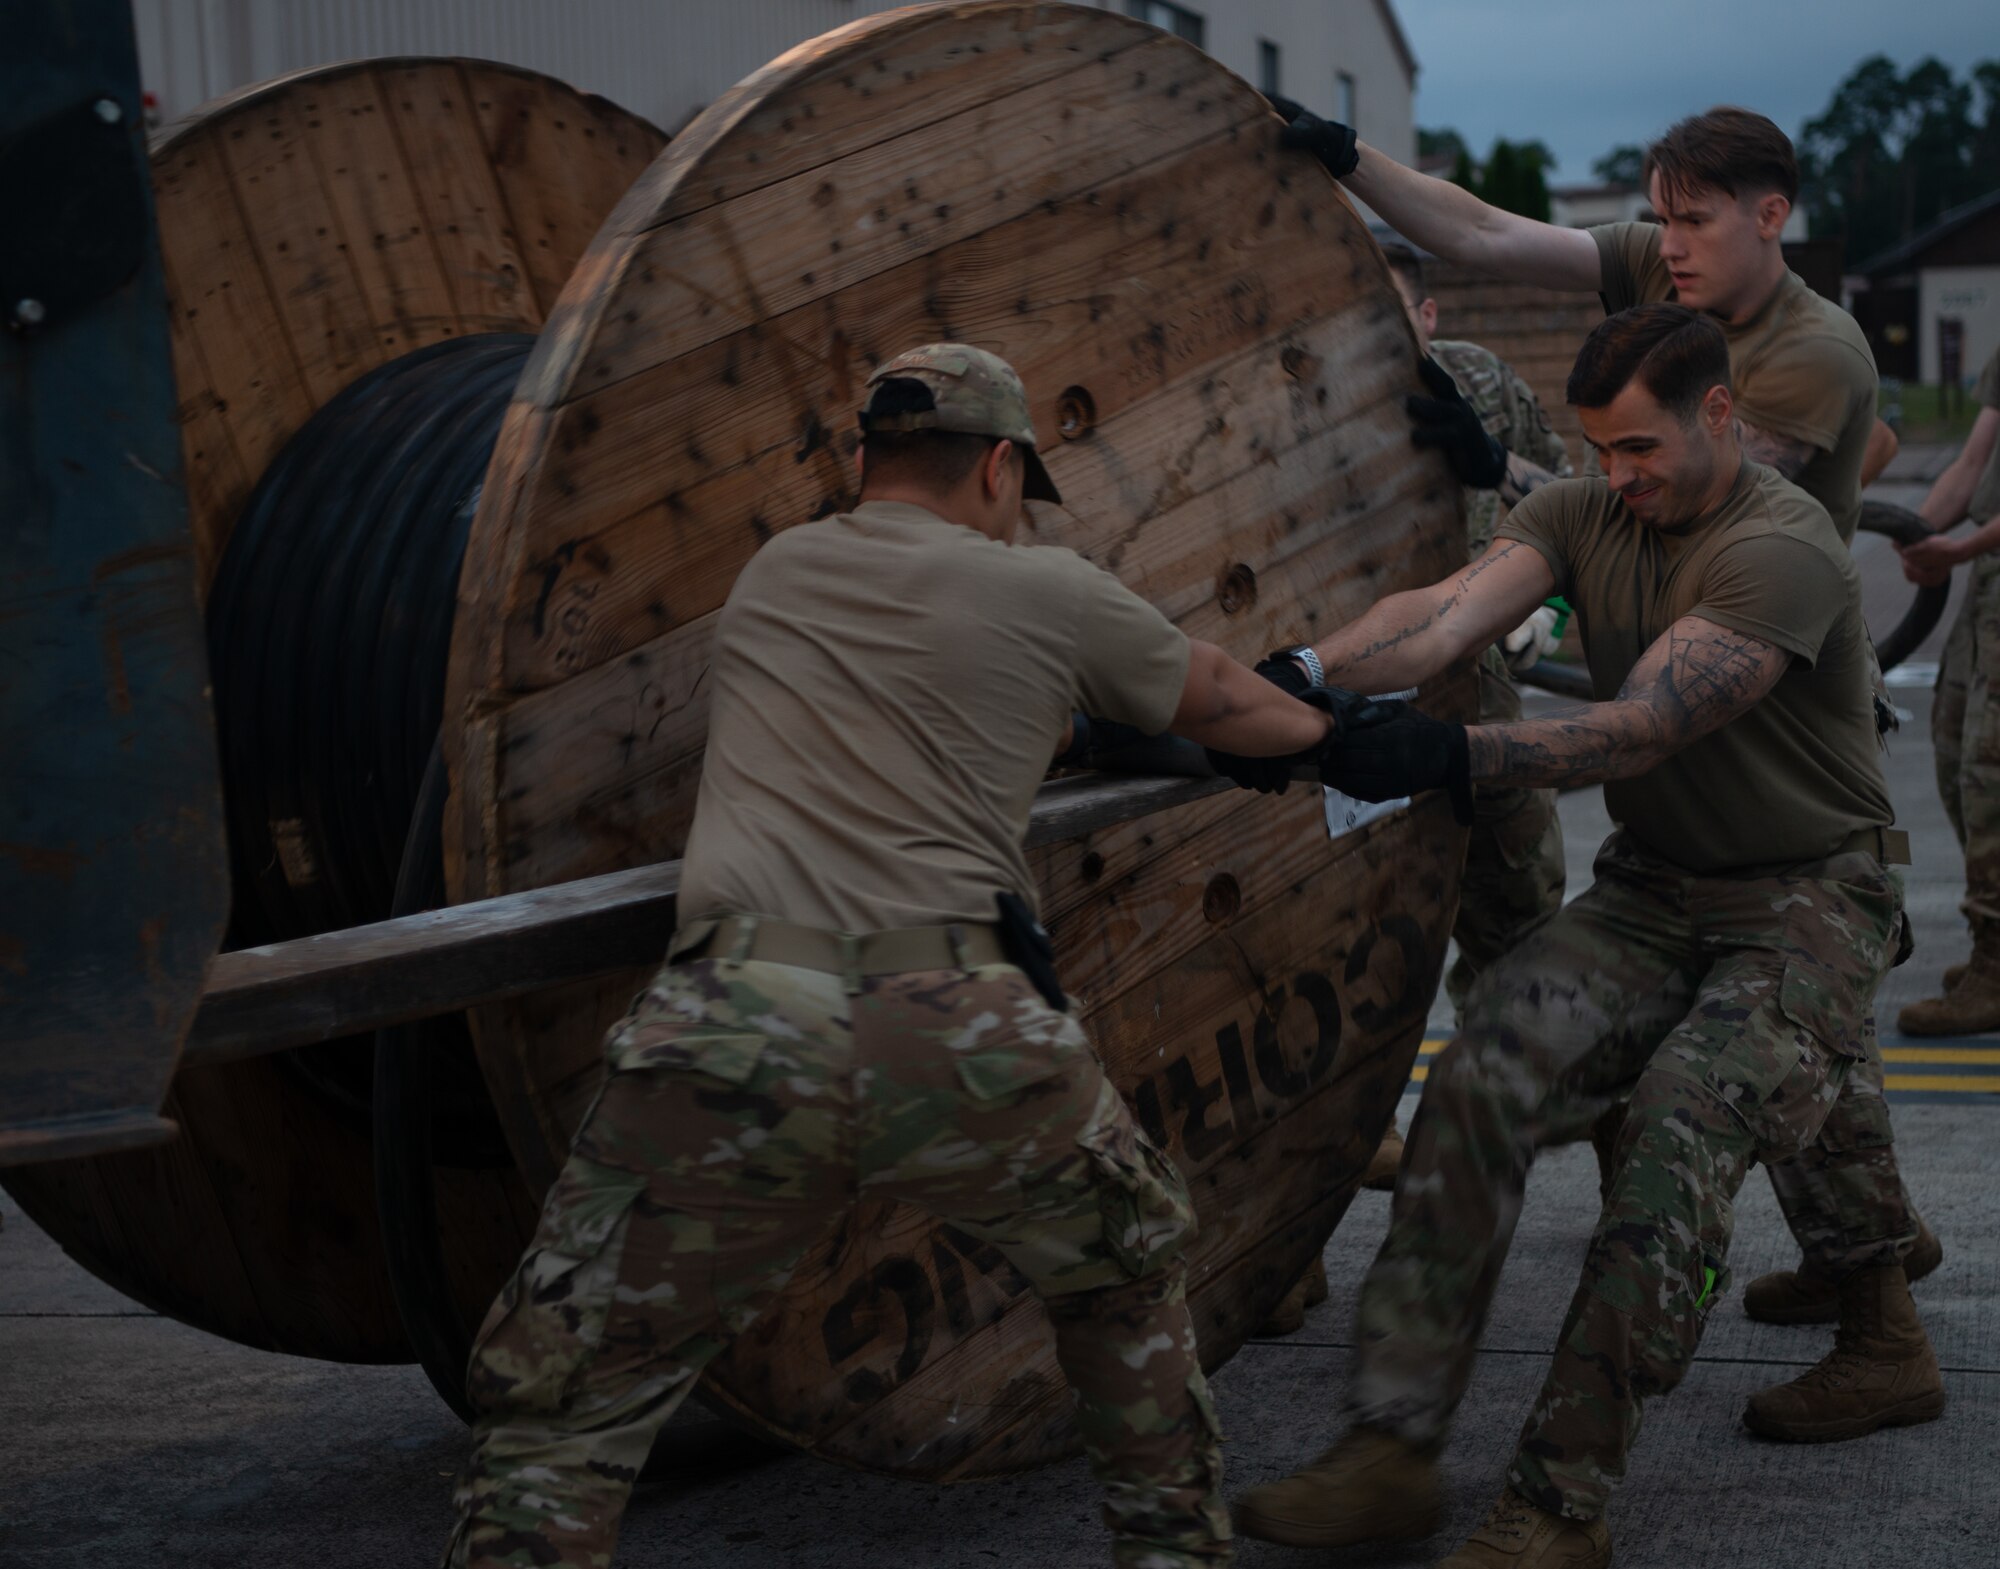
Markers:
665,59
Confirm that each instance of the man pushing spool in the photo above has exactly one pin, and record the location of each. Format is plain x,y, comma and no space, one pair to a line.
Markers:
1723,184
1717,973
859,1003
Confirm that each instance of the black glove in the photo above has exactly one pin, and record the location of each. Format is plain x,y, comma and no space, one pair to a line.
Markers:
1446,421
1387,749
1327,140
1284,672
1273,775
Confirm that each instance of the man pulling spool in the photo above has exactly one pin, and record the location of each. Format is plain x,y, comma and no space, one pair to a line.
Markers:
1723,184
1717,972
859,1003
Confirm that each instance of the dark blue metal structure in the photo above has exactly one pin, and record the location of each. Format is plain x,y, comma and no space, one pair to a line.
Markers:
113,888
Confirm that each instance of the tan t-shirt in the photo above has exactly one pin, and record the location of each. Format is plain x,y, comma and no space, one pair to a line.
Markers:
1793,776
888,691
1986,494
1801,366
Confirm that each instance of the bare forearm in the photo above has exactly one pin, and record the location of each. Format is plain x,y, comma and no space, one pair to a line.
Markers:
1694,679
1587,744
1950,496
1236,710
1444,219
1396,644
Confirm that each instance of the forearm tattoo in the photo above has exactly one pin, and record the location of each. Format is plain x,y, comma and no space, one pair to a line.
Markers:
1522,479
1397,622
1694,680
1788,455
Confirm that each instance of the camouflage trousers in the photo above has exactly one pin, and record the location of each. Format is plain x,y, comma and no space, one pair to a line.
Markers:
1965,737
1723,1010
748,1107
1513,881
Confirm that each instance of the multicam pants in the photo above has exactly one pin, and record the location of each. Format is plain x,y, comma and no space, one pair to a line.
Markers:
1513,880
1725,1009
1965,736
748,1107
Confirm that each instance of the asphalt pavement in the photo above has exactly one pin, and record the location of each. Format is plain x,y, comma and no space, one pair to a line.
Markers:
126,1438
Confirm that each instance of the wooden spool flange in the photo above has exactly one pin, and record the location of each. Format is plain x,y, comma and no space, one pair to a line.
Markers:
1217,361
314,228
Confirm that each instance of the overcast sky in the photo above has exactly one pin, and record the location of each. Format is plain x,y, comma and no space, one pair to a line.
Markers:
1585,75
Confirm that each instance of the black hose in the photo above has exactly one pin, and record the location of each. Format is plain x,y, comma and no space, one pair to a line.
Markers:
329,630
1904,527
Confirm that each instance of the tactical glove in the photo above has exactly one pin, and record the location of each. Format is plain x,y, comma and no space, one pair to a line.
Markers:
1332,143
1446,421
1387,749
1273,775
1284,672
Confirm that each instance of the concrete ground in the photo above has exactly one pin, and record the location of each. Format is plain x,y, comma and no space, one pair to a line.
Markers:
128,1439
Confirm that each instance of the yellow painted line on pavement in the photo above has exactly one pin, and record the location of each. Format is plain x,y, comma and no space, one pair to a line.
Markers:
1420,1072
1945,1056
1960,1082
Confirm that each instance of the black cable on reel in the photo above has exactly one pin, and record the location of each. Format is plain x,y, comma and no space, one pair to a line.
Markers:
329,632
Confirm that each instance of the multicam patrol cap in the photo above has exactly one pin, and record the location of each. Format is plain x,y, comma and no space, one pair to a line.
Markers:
973,393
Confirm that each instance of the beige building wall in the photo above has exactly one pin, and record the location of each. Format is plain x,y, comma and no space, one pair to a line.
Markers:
1972,294
665,59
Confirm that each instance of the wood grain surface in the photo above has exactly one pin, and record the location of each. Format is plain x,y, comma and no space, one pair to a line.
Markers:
1216,362
314,228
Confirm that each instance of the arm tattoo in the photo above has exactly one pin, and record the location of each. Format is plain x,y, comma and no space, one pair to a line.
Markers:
1522,479
1788,455
1369,638
1694,680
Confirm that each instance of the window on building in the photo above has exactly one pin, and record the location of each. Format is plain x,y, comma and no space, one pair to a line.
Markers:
1176,19
1267,67
1343,97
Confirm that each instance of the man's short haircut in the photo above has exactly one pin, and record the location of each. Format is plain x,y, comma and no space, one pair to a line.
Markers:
1733,151
934,460
1406,264
1675,353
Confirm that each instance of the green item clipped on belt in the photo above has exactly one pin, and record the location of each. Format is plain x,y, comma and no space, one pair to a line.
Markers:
1707,1287
1563,612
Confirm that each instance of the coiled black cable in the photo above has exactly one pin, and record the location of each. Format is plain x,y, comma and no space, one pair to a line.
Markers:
329,631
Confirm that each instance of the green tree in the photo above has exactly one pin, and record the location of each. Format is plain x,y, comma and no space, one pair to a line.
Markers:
1432,143
1515,178
1892,150
1621,165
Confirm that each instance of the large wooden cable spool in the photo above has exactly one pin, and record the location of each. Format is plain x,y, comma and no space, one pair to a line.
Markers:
315,230
1217,361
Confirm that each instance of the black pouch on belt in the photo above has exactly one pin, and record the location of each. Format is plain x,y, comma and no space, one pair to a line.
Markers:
1028,947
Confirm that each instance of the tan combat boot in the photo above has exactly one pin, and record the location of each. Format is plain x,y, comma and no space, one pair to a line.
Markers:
1880,1373
1521,1535
1369,1487
1953,974
1388,1160
1805,1296
1289,1316
1971,1003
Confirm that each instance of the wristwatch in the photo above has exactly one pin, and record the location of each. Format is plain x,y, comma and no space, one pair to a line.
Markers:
1305,656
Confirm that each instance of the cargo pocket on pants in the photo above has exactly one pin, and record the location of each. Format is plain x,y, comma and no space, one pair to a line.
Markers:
1783,1086
550,1321
1142,1203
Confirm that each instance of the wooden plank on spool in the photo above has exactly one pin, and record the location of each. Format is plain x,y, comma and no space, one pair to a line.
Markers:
459,201
242,393
1244,358
563,160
